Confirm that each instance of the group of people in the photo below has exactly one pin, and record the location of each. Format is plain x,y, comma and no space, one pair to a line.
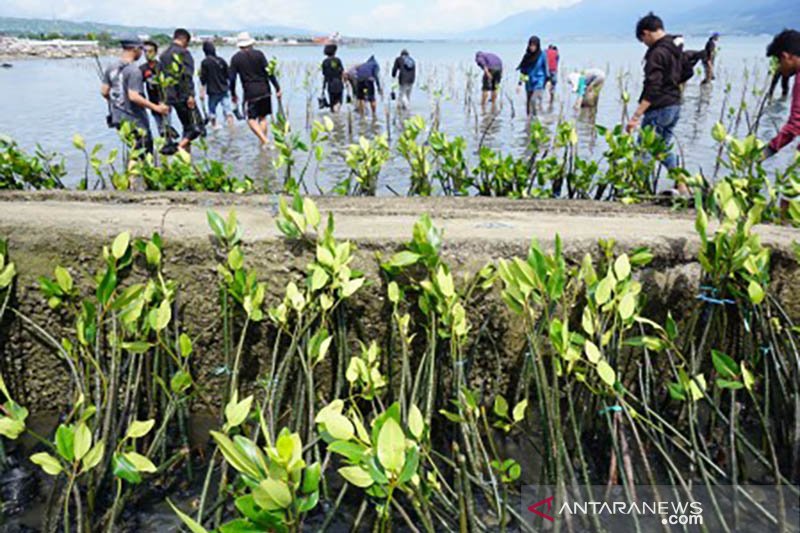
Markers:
165,82
538,73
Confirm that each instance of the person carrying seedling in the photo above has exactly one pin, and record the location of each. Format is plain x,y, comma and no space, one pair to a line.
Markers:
178,64
664,73
123,88
533,74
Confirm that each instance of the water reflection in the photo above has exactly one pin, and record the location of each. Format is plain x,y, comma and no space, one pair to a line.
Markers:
60,98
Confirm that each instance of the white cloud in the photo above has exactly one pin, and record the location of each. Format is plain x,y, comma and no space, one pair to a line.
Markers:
381,18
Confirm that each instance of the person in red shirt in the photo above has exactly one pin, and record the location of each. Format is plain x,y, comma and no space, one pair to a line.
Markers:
786,48
552,69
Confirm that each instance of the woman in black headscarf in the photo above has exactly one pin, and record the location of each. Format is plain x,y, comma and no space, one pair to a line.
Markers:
533,72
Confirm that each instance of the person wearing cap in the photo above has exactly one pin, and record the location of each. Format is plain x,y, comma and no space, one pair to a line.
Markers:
405,70
251,66
587,84
178,64
214,82
123,89
709,55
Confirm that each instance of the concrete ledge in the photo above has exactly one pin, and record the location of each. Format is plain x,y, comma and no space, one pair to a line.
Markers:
70,228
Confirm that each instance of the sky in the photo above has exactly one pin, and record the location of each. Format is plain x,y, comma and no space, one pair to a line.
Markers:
367,18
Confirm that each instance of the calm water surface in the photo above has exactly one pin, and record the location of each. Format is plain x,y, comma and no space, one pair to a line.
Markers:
47,101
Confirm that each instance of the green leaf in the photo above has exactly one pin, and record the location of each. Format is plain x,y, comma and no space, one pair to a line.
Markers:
339,426
94,456
193,526
445,282
139,428
65,438
180,381
140,462
163,316
311,212
352,451
63,279
350,287
216,224
278,491
120,245
627,306
236,412
606,373
729,384
152,254
6,275
355,475
500,406
622,267
49,464
185,344
756,292
725,365
10,428
603,292
747,377
235,457
592,352
82,441
391,446
518,414
404,259
394,292
124,469
416,424
311,477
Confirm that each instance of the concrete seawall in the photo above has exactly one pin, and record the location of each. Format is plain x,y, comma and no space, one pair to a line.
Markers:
70,228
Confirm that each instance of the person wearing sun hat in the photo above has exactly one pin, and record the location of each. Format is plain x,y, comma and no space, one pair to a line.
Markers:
252,68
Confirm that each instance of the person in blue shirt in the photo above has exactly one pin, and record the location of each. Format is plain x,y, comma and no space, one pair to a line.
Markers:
367,79
533,73
587,84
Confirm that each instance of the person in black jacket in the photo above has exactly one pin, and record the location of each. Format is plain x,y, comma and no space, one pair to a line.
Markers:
660,101
214,81
405,70
333,77
178,64
254,70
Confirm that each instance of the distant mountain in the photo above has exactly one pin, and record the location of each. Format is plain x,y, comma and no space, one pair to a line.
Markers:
19,26
617,18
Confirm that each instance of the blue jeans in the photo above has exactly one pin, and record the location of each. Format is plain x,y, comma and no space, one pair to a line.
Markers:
664,121
216,99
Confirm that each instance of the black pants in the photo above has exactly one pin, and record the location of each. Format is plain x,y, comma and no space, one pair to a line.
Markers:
191,121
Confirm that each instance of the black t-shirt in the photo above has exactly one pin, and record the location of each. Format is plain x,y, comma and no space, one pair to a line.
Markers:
253,68
332,70
184,65
214,75
150,70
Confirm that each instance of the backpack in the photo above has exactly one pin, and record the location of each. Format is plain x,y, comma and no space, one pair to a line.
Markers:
408,63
